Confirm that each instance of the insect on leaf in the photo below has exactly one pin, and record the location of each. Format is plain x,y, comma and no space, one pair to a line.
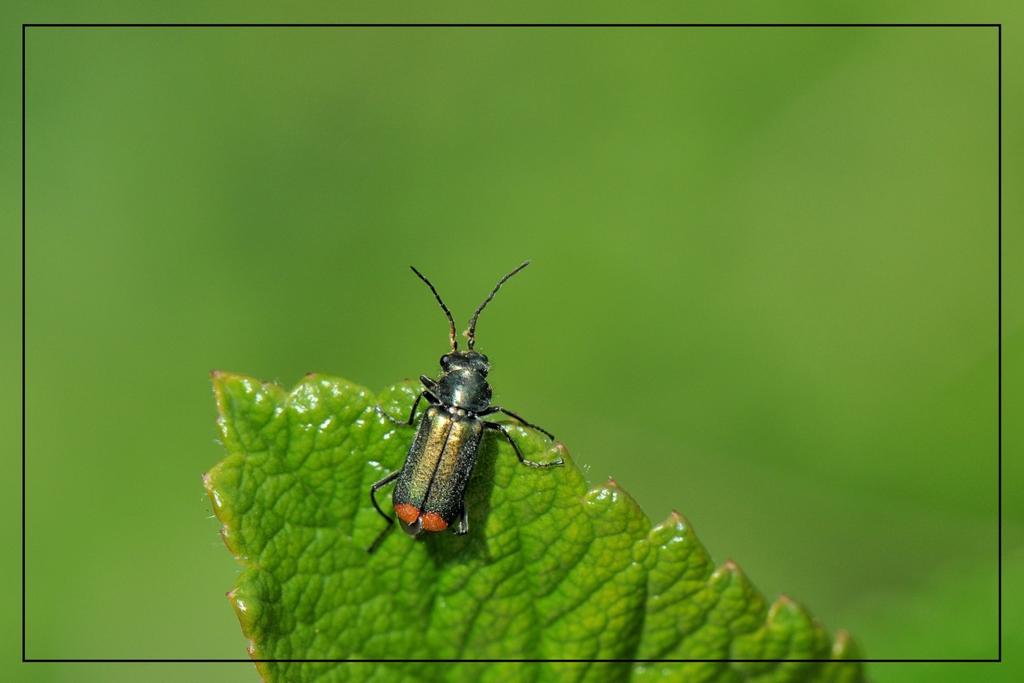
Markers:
551,568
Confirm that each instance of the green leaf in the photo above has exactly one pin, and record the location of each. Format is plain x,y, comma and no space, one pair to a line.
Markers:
550,569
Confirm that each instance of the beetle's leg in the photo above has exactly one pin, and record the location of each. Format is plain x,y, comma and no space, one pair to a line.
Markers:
373,499
412,413
519,454
462,526
387,416
377,486
499,409
415,404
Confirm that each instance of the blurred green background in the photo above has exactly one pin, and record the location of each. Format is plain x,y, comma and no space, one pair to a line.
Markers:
763,293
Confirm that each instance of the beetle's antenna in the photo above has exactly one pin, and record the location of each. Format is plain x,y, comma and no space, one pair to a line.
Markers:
471,331
451,321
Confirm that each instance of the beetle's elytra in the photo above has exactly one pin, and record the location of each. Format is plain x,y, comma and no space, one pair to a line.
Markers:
430,489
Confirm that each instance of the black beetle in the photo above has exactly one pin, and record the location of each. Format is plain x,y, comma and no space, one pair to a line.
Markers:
430,493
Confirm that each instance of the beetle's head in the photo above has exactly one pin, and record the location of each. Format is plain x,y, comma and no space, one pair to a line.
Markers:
466,360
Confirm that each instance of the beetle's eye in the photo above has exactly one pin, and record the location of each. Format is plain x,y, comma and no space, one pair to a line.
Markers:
485,359
444,360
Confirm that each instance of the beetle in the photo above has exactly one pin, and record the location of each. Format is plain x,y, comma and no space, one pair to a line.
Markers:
429,494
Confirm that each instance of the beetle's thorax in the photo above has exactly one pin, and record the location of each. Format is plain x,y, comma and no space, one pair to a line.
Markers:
464,388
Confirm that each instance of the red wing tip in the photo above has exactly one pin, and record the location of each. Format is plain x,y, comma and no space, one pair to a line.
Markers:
407,513
434,522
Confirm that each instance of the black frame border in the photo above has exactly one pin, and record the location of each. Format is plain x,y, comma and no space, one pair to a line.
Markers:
997,27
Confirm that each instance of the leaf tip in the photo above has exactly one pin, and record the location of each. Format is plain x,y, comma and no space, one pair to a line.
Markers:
225,537
731,568
213,493
678,520
606,491
785,606
844,646
242,608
